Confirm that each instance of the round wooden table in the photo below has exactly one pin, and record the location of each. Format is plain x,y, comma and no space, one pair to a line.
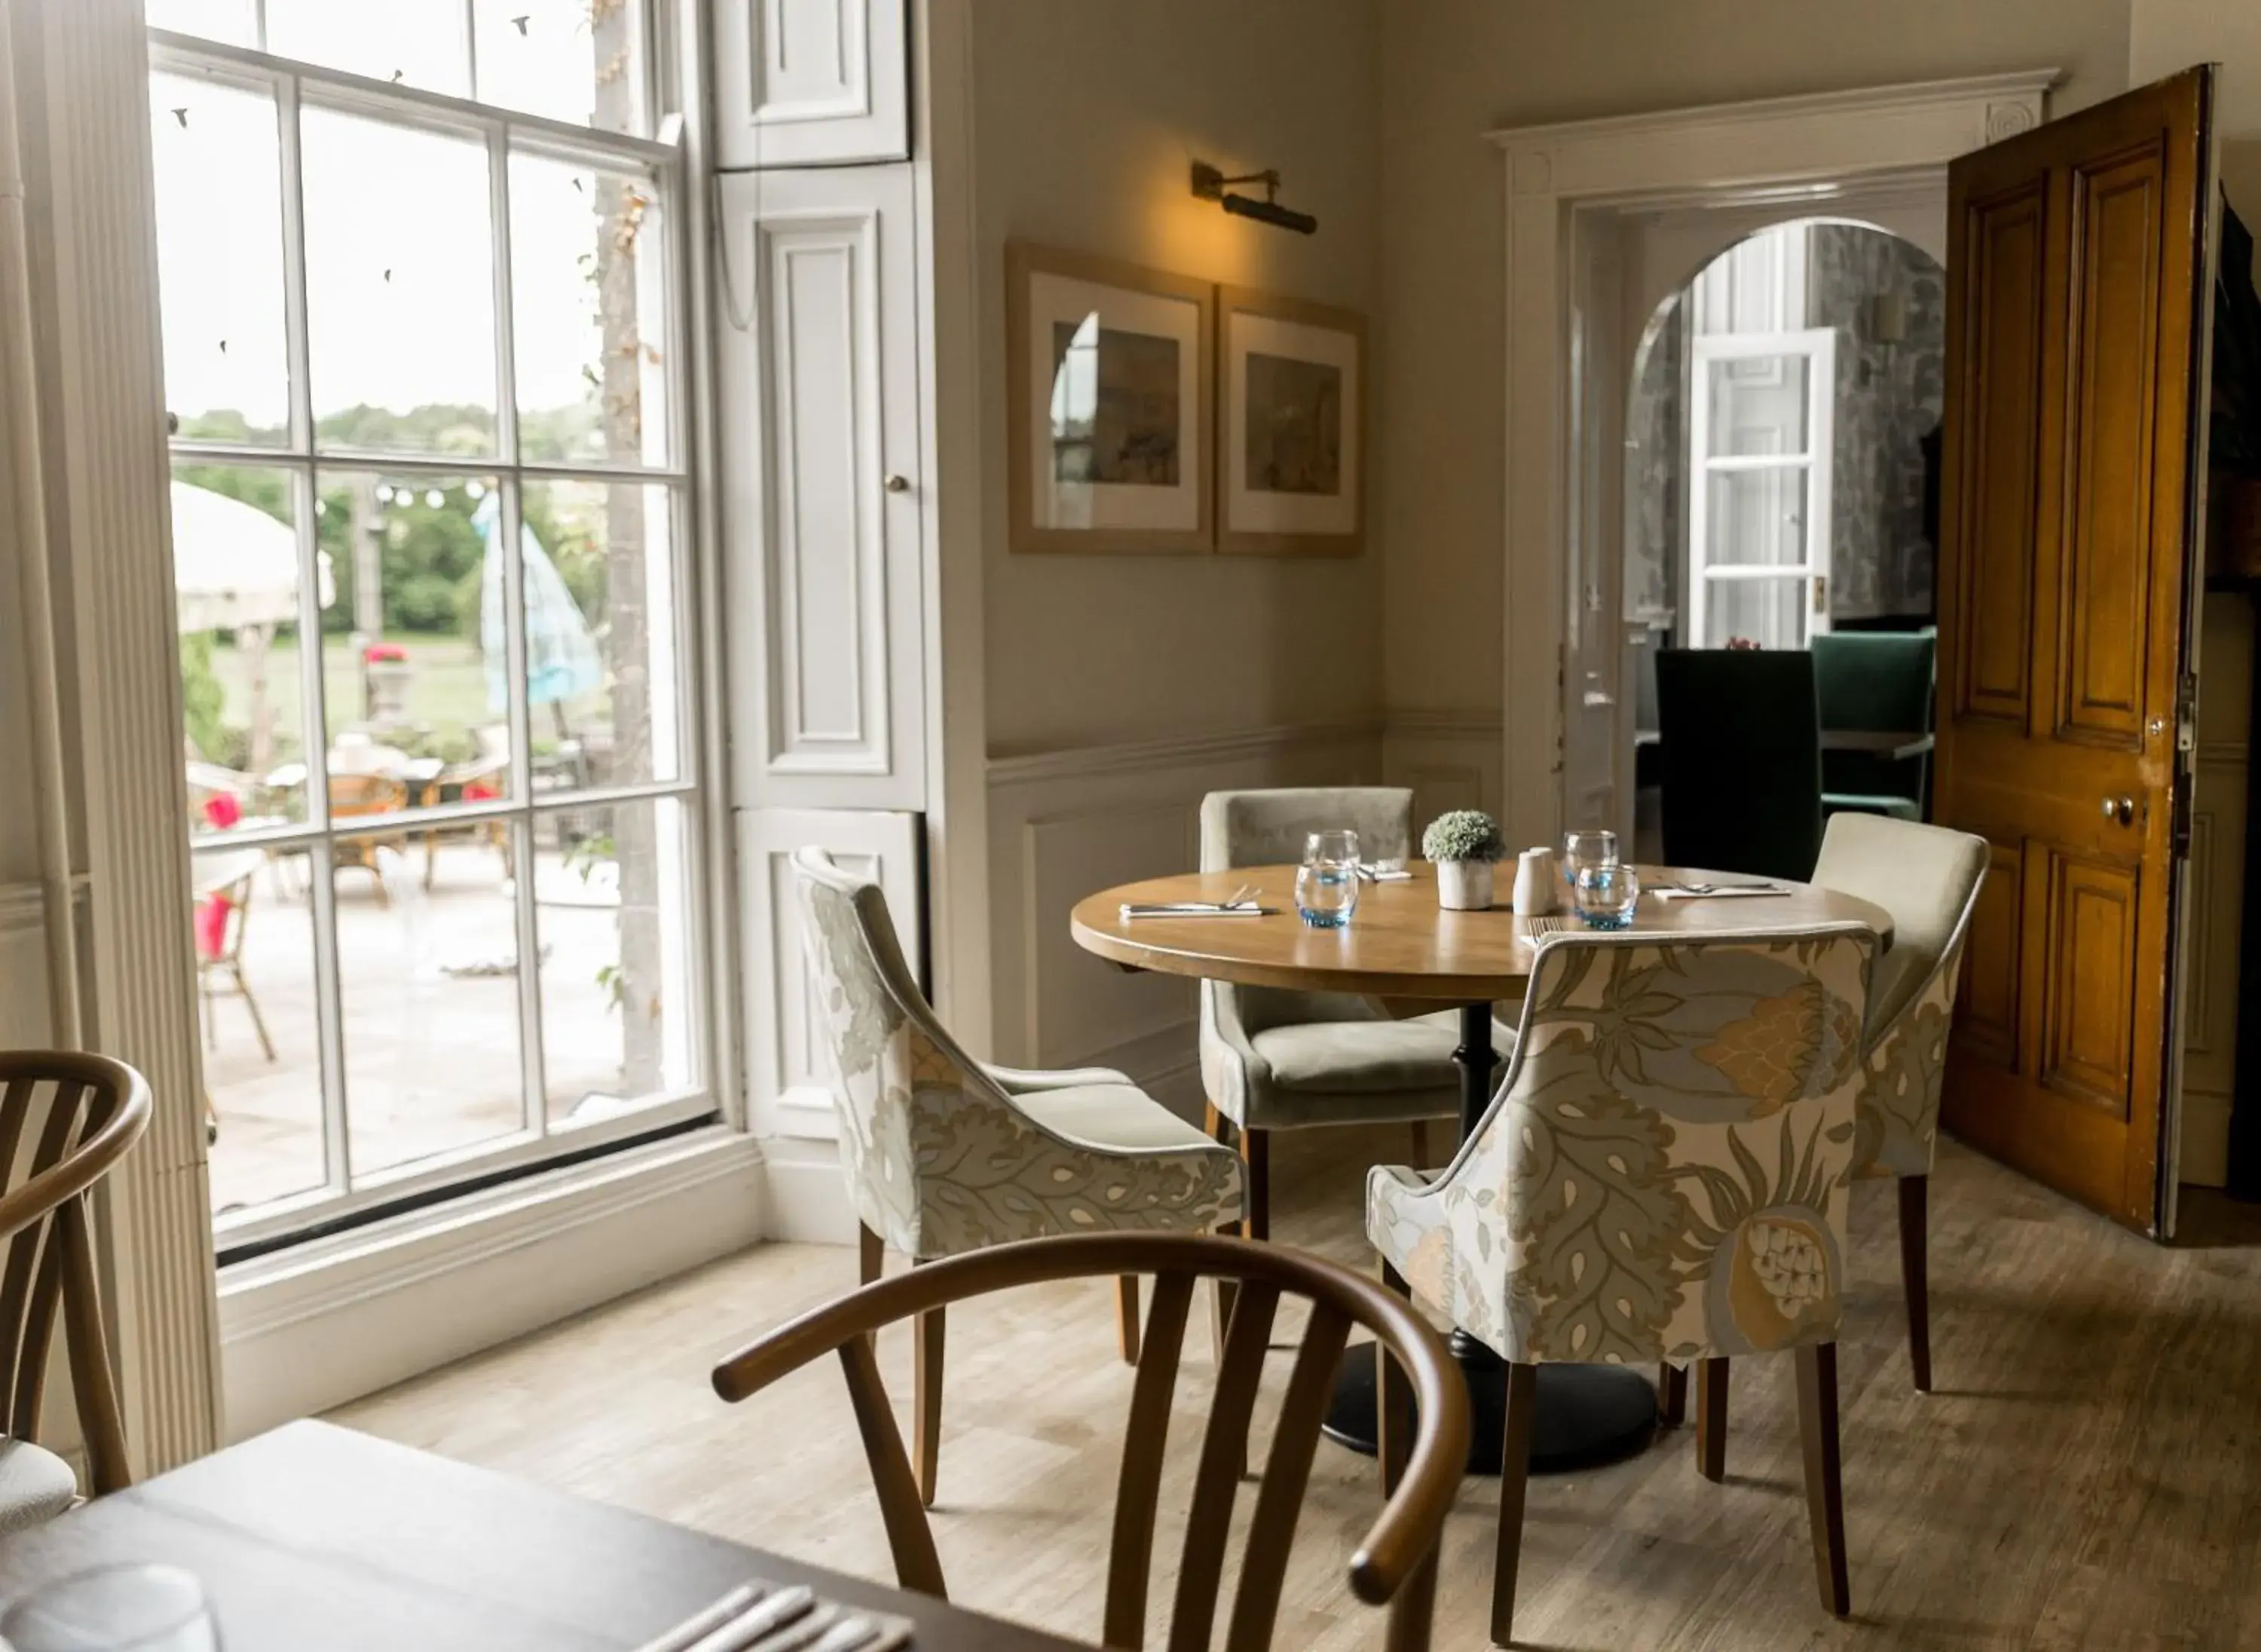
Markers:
1411,957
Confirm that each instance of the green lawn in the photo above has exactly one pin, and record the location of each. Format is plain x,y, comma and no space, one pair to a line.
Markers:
447,690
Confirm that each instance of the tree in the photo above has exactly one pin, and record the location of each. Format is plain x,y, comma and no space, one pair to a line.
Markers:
621,203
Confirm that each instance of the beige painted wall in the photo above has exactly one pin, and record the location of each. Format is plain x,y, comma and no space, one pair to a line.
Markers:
2167,35
1087,116
1451,70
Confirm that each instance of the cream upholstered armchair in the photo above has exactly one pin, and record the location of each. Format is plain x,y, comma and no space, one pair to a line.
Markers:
1662,1176
1276,1060
944,1154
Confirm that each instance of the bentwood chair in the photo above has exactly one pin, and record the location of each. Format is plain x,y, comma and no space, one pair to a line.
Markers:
65,1119
1273,1058
221,923
1394,1564
1661,1177
944,1154
358,796
1739,760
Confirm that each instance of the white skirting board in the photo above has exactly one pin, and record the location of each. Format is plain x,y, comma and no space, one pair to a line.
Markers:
304,1330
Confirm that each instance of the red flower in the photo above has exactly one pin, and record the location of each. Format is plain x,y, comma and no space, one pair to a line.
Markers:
384,654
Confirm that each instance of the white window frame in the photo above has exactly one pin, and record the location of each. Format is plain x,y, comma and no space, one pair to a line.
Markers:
293,84
1817,347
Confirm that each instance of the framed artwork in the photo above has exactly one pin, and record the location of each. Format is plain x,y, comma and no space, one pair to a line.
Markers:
1110,384
1291,406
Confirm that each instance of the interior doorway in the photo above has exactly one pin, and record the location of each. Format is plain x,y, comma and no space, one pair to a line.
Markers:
1780,480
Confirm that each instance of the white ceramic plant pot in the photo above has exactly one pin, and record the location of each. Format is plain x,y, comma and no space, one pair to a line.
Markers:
1464,885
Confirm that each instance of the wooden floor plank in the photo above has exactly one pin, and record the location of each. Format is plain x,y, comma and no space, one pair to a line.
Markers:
2087,1474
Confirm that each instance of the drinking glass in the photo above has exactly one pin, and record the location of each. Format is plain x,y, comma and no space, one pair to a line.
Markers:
1605,896
114,1609
1581,850
1327,884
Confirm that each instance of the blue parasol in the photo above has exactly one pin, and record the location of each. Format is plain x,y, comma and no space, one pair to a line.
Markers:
561,656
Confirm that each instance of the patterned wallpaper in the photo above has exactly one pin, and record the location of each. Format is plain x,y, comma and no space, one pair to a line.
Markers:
1888,398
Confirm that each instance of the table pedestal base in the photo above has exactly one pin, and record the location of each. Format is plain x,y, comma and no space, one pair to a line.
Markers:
1588,1414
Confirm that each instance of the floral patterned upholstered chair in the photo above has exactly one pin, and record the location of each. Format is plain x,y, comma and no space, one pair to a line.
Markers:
1662,1176
945,1154
1929,878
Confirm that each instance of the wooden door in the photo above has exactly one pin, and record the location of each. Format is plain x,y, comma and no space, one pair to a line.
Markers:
2079,274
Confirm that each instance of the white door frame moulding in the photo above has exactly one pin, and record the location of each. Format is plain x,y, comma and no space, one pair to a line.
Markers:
956,513
1804,147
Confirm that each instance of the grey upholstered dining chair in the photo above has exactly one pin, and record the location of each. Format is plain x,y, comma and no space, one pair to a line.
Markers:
1661,1177
944,1154
1277,1059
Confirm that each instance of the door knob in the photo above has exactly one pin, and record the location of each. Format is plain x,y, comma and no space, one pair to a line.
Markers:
898,483
2120,808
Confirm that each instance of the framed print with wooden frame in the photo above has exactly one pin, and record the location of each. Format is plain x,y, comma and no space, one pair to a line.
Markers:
1110,380
1291,405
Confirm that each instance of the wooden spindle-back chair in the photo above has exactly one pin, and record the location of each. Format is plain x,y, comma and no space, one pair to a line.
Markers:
65,1119
1394,1565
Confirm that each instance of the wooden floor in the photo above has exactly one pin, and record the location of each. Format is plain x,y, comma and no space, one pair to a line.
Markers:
2087,1475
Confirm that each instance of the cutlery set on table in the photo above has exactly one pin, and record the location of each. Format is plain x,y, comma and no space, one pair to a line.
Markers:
760,1617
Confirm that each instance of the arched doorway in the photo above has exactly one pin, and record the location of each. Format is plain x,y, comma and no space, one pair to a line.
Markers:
1781,454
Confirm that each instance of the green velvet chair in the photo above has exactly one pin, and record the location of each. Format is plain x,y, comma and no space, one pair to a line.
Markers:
1875,680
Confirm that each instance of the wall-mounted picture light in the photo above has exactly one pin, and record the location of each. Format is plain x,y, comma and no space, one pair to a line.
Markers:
1210,185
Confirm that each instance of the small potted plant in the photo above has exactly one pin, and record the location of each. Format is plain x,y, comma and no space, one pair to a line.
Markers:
1465,844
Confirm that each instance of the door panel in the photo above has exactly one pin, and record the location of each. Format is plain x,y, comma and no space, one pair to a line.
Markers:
2078,262
2086,1037
822,541
2000,369
2113,370
1986,1010
810,83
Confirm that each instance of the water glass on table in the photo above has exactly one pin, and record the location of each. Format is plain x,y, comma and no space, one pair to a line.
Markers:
1582,851
1327,884
114,1609
1605,896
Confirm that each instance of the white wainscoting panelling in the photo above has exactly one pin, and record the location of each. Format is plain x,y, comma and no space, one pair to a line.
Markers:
316,1325
26,1021
821,516
1064,823
2214,917
1451,760
811,82
788,1091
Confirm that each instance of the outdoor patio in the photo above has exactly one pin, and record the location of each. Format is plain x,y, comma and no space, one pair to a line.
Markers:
429,992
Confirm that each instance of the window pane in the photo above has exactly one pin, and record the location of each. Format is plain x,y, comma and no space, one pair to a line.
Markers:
419,42
219,258
1756,517
235,578
1758,404
400,287
229,20
414,663
603,676
263,1068
429,994
548,57
1770,612
589,271
611,890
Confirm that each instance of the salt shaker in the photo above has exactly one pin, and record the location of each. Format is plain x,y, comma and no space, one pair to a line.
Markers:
1535,883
